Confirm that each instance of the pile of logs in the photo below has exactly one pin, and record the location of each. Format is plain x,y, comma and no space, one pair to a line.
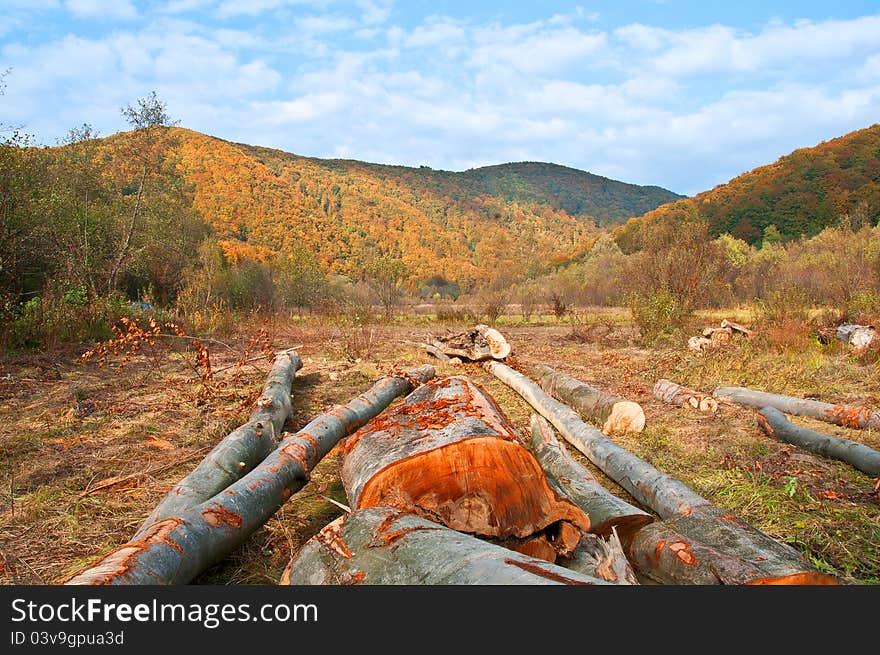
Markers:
858,337
474,345
443,490
713,337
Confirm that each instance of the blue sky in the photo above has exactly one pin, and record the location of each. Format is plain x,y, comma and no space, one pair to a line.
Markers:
685,95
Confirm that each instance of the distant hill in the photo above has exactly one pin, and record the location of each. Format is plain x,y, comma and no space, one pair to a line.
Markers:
799,194
473,226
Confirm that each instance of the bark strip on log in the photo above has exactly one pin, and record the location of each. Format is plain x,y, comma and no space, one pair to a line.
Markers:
176,549
573,481
695,516
862,457
476,344
676,394
845,415
614,413
449,454
386,546
241,450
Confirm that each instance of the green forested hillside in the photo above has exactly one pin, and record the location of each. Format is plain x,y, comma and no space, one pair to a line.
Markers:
800,194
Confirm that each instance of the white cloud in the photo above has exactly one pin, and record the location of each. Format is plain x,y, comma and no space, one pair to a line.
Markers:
534,49
102,9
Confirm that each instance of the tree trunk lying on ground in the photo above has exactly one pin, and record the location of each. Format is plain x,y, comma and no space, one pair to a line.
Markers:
573,481
477,344
449,454
387,546
845,415
736,327
862,457
176,549
615,414
695,517
241,450
675,394
718,335
860,337
661,553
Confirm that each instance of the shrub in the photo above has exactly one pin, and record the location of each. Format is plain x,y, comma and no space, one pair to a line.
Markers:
657,314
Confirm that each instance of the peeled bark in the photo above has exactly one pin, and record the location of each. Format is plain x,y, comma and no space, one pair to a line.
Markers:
449,454
695,516
602,558
573,481
675,394
477,344
386,546
241,450
862,457
614,413
176,549
844,415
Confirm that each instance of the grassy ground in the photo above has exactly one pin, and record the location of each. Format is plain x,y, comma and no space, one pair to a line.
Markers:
86,451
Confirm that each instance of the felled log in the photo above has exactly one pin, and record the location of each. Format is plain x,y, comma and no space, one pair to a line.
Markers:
862,457
175,549
736,327
845,415
387,546
719,335
449,454
476,344
699,344
676,394
614,413
859,337
664,555
573,481
695,516
241,449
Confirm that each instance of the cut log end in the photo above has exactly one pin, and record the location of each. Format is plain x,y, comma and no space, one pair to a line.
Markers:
809,578
483,485
625,416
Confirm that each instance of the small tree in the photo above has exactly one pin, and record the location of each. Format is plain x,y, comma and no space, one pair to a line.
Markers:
148,118
385,277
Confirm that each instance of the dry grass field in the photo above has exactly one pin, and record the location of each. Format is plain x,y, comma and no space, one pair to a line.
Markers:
85,452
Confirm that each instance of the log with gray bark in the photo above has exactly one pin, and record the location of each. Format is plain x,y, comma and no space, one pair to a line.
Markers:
845,415
676,394
575,482
615,414
449,454
388,546
476,344
666,556
242,449
177,548
775,424
695,516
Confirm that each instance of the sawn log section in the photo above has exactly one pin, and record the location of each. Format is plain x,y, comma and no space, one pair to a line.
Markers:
387,546
613,413
450,455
